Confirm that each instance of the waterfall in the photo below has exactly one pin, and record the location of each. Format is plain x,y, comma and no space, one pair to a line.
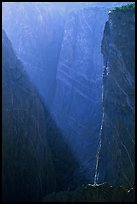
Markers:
99,145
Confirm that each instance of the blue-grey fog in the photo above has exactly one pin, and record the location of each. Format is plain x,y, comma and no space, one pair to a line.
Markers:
68,100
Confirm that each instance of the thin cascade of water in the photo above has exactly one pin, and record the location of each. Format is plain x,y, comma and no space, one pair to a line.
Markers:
99,145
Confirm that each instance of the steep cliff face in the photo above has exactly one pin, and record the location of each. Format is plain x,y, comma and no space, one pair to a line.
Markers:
77,102
25,148
117,154
35,158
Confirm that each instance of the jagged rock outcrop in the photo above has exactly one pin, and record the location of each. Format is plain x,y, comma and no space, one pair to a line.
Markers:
36,160
117,154
77,102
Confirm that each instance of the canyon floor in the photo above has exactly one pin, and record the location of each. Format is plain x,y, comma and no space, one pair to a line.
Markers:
93,193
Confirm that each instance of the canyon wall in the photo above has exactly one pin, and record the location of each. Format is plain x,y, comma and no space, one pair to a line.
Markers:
77,105
117,145
35,158
60,51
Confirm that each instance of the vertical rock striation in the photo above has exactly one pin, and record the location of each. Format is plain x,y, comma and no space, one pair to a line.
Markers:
77,102
117,154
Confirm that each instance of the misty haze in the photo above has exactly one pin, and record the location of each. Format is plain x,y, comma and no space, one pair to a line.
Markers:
68,101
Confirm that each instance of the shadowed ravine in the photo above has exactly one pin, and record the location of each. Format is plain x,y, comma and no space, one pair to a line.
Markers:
36,158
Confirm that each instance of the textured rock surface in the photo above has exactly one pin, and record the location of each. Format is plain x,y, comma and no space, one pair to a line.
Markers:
24,141
117,155
35,158
77,102
91,193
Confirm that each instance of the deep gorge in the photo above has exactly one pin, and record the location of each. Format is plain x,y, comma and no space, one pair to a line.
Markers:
68,100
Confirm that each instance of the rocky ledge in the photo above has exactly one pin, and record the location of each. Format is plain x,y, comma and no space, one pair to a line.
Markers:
93,193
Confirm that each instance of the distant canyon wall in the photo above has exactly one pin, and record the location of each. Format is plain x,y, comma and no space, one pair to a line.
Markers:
36,32
77,105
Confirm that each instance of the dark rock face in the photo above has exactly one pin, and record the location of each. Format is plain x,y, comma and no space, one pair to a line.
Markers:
26,154
117,155
33,163
77,103
91,193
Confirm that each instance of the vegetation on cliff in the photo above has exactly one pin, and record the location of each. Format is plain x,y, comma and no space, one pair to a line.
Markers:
124,7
